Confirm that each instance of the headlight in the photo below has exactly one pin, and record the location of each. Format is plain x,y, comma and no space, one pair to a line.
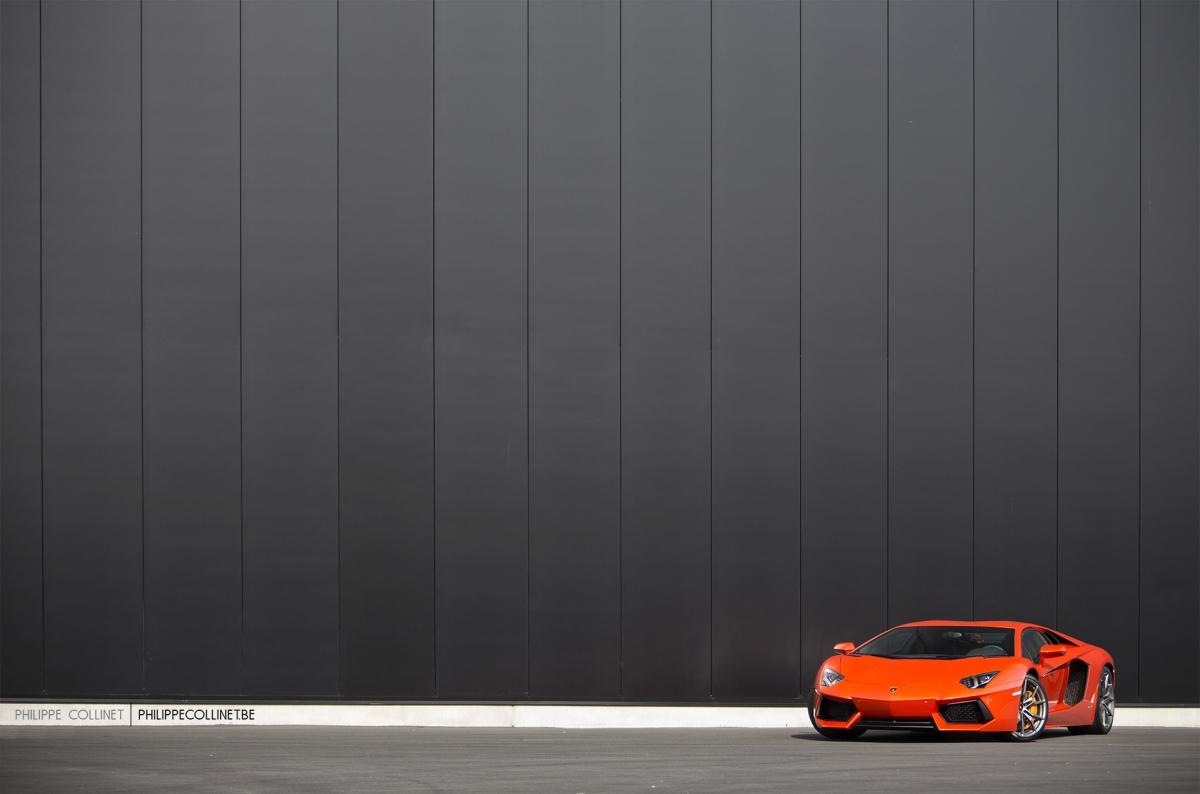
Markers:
829,676
978,681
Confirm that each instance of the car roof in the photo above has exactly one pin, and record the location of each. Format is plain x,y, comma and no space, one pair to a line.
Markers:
999,624
1002,624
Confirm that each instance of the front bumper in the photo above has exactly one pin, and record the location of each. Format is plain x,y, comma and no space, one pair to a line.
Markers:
908,708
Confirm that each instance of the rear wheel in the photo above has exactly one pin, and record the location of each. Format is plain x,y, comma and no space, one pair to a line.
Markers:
1106,705
1031,716
839,734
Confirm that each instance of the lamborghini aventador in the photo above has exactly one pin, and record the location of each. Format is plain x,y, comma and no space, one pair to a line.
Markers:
1016,679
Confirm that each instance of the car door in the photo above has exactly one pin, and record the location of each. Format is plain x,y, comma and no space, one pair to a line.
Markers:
1053,670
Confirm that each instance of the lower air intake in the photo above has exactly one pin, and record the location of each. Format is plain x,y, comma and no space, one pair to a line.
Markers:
970,712
835,710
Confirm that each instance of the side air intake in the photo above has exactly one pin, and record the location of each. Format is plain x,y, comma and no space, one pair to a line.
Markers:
1076,682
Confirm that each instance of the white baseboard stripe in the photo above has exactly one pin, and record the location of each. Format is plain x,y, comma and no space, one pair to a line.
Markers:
469,716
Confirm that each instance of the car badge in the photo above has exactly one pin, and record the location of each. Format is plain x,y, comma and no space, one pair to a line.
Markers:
892,690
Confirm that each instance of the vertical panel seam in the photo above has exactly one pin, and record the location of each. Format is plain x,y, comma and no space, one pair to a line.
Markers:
433,304
1141,8
799,690
41,349
710,348
241,356
1057,299
142,327
974,162
620,347
887,312
528,445
337,268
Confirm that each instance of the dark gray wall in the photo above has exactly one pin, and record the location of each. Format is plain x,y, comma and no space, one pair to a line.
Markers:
590,350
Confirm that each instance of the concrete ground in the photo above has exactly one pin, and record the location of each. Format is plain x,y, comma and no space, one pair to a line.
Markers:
535,760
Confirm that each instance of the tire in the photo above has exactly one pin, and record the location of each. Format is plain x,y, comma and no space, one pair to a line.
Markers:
837,734
1032,712
1106,706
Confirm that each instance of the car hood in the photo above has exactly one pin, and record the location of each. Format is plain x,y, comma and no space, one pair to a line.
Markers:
877,670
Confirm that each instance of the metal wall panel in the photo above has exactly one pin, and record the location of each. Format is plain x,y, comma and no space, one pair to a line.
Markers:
929,310
1016,308
574,355
481,360
91,314
624,221
666,363
1170,352
20,352
755,348
289,359
1098,329
385,256
844,325
191,338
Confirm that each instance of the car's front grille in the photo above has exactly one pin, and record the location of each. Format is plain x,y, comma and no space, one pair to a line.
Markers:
835,710
972,711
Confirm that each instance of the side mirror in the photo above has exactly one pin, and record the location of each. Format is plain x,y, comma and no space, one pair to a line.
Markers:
844,647
1051,651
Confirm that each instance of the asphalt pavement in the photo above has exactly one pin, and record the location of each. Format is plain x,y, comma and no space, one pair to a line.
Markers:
300,759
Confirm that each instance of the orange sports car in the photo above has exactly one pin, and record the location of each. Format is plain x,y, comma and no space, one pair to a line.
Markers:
992,676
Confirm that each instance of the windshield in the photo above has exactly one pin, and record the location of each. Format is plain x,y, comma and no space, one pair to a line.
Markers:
940,642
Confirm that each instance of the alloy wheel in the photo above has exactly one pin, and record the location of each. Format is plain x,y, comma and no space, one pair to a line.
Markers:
1107,702
1032,716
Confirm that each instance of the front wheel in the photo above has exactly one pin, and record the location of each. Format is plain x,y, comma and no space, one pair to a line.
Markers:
1106,705
1031,717
838,734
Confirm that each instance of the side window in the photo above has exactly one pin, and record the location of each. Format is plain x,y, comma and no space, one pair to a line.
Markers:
1031,644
